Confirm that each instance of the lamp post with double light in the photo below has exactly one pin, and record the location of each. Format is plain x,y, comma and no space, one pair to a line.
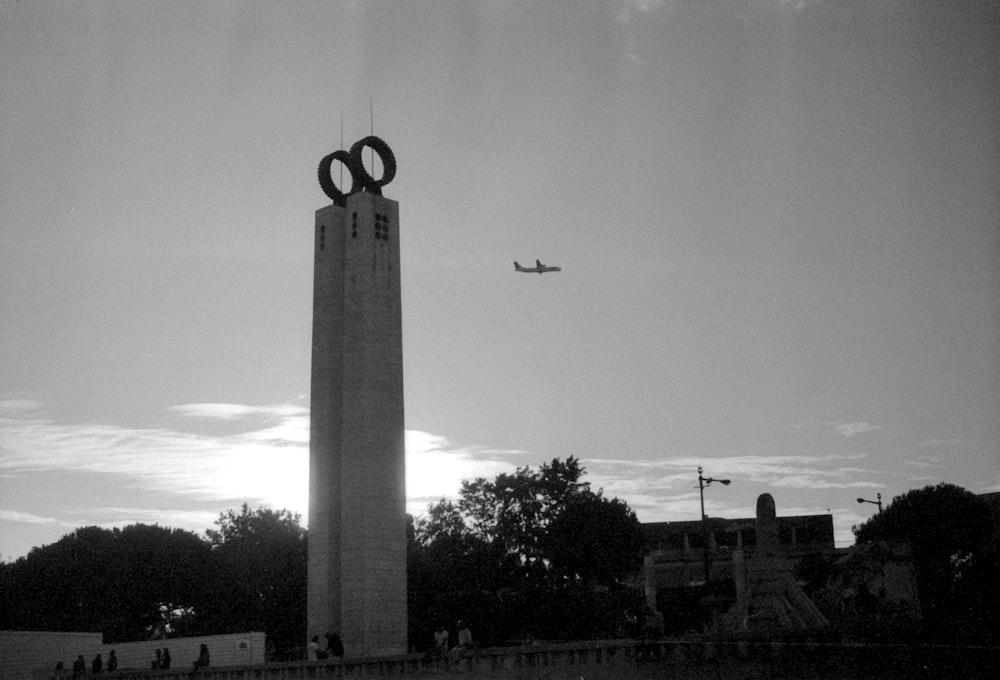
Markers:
702,483
877,502
881,587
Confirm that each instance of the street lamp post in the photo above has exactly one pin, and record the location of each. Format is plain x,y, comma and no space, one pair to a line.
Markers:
881,586
875,502
702,483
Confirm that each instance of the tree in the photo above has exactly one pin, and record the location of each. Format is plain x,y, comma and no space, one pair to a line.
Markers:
521,554
952,536
594,539
259,558
143,582
111,580
513,511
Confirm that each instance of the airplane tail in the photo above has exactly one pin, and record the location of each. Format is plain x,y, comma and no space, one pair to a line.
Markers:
517,267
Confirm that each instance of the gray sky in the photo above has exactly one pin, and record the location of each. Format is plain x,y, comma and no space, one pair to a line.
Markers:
777,223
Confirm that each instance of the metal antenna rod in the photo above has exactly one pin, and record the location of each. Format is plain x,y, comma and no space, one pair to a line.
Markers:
371,118
341,146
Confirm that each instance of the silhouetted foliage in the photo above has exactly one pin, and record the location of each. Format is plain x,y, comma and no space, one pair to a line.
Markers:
145,582
258,561
535,554
117,581
594,539
952,533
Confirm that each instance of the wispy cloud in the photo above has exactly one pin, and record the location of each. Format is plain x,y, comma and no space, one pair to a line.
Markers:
27,518
120,517
926,461
262,458
796,5
668,488
631,7
851,429
939,443
809,471
238,411
265,462
436,467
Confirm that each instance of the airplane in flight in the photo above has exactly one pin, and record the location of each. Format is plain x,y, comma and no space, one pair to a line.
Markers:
539,268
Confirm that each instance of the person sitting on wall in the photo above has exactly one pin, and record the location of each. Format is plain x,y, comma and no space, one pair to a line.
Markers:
312,649
79,667
334,646
464,640
202,660
441,640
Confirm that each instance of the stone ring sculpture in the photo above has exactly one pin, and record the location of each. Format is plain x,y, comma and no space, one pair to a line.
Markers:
361,179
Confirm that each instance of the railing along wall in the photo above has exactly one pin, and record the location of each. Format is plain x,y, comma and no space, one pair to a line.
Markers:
620,659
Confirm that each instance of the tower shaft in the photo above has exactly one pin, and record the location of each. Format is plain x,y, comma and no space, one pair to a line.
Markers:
357,521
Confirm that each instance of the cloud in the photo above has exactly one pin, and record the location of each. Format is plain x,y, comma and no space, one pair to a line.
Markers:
108,517
27,518
797,5
667,489
851,429
631,7
190,472
436,467
939,443
266,461
14,407
803,471
238,411
926,461
808,482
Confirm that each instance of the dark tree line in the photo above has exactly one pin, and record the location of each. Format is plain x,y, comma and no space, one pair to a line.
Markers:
535,553
953,536
146,582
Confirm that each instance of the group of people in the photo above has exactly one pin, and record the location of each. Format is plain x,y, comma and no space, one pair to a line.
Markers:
442,641
644,623
97,666
332,647
162,659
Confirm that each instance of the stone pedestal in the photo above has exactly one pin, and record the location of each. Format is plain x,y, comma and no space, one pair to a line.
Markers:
768,599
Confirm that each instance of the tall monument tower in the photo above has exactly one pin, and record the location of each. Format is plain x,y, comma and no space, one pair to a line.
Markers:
357,494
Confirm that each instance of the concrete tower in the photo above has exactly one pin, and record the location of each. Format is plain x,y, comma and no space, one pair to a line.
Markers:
357,521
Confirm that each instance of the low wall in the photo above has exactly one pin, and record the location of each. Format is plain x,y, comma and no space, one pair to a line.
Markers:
617,660
22,652
32,655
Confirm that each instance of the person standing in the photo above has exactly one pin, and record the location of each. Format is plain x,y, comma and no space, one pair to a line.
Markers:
97,666
112,661
334,646
165,659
